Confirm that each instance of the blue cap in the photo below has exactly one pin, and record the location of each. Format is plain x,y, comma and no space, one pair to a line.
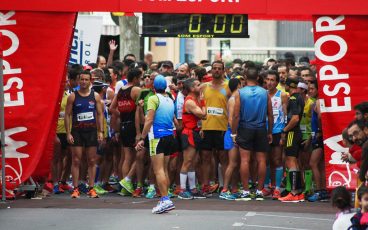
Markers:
159,83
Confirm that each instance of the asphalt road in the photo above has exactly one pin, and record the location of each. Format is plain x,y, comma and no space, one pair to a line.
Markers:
116,212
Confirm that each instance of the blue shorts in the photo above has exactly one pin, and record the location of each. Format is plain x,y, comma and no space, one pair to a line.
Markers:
228,141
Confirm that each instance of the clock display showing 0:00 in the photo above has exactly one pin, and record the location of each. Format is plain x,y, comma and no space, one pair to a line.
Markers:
222,24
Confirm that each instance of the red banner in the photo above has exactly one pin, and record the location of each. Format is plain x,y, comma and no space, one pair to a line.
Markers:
340,48
268,7
36,48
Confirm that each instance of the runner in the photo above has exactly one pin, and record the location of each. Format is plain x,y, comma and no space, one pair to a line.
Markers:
292,137
193,111
159,128
317,162
124,103
60,149
141,154
216,94
233,151
283,74
279,107
306,129
252,107
86,131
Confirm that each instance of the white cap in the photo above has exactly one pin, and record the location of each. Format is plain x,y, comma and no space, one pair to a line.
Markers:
208,68
302,85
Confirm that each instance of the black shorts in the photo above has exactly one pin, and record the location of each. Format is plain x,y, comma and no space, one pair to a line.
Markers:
100,150
253,139
276,139
293,143
86,138
63,141
318,143
213,139
165,145
190,138
127,134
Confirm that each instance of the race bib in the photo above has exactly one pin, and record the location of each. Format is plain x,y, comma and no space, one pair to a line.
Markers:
215,111
61,115
303,128
85,116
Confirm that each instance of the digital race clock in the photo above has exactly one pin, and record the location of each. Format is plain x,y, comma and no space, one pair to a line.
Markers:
195,25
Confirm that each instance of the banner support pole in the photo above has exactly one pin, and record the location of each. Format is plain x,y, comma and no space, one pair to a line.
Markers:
2,124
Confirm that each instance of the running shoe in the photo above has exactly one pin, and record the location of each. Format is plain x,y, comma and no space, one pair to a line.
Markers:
64,186
252,194
266,191
99,190
128,185
259,196
151,193
301,197
245,196
206,192
213,187
197,194
113,180
276,194
137,192
237,194
324,195
163,206
48,187
124,192
185,195
57,189
75,193
291,198
177,191
108,188
284,193
315,197
92,193
227,196
83,188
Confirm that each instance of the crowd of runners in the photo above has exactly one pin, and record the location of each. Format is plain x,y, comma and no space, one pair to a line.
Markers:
241,130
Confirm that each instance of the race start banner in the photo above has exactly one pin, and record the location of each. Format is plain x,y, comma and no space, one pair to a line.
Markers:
86,40
35,51
340,49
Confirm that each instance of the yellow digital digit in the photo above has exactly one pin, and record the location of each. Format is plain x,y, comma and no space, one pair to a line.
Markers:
197,19
240,23
216,28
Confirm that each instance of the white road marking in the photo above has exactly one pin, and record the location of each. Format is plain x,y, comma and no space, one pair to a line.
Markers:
238,224
294,217
274,227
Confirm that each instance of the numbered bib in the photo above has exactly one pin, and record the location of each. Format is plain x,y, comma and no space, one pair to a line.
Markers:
85,116
303,128
215,111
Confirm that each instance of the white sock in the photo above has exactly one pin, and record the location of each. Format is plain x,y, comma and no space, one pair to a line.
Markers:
127,179
192,180
183,180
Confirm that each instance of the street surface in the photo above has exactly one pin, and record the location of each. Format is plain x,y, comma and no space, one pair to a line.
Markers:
115,212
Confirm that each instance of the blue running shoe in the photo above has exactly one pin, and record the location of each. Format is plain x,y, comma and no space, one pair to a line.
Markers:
185,195
227,196
57,190
83,188
151,193
315,197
